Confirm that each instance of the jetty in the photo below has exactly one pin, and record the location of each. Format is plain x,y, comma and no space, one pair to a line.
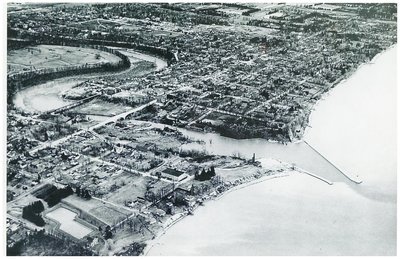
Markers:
326,159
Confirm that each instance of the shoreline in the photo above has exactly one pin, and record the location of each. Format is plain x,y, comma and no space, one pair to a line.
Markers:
340,81
288,172
306,133
326,94
150,244
18,97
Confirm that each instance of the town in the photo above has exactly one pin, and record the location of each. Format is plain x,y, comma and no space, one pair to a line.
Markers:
98,155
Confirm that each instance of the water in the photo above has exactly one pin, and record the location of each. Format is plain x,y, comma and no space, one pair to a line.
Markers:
299,215
295,215
48,96
356,126
299,154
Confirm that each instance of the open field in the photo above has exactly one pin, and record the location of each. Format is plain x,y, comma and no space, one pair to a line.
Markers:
232,174
51,56
134,187
108,214
102,108
103,211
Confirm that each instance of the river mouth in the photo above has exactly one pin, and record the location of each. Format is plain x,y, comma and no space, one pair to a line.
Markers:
48,96
297,215
373,201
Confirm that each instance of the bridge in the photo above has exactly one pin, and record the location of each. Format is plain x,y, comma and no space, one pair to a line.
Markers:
72,105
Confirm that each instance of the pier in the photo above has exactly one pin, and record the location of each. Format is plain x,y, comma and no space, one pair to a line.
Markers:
348,177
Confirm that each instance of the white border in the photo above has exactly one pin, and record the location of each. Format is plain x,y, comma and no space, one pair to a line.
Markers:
3,100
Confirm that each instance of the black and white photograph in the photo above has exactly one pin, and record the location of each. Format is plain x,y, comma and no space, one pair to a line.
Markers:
185,128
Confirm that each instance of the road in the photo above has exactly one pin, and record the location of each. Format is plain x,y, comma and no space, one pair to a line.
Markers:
275,97
98,125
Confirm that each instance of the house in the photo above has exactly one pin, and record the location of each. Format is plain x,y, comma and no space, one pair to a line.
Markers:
159,212
173,174
190,201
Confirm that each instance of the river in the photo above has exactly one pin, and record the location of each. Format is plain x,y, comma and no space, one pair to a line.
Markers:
355,127
48,96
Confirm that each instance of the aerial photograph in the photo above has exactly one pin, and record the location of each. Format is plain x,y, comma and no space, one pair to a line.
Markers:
200,128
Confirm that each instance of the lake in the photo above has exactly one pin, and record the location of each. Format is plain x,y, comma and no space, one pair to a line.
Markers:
355,128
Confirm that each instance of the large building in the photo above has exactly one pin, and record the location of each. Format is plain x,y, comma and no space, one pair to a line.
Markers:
173,174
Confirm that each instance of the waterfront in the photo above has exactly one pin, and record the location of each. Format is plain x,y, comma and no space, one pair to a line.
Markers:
295,215
359,135
318,219
279,193
125,150
48,96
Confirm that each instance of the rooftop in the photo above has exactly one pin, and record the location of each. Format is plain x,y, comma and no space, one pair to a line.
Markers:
173,172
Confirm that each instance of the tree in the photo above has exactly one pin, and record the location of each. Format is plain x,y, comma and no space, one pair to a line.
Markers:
78,191
212,171
205,175
87,195
32,213
150,196
57,195
108,234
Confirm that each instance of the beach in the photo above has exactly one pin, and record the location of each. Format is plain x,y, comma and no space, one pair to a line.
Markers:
301,215
295,215
335,142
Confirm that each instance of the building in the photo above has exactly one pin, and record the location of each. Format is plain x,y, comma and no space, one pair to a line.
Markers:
190,201
173,174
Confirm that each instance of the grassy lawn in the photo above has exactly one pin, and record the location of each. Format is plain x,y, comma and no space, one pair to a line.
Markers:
134,187
109,214
231,174
99,107
49,56
103,211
